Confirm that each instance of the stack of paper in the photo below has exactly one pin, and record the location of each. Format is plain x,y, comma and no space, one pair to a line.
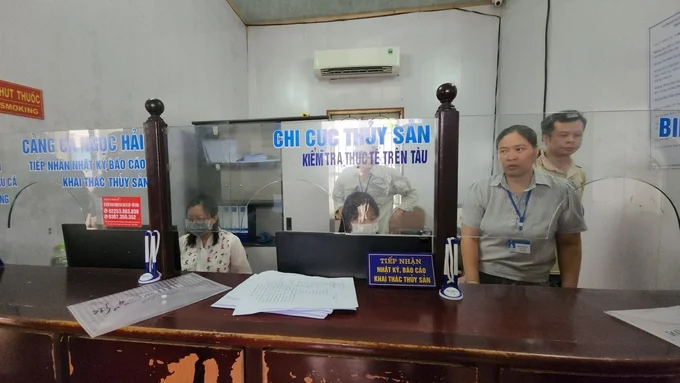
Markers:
257,157
662,322
221,151
290,294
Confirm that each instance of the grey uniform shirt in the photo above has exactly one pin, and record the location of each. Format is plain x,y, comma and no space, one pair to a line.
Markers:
554,208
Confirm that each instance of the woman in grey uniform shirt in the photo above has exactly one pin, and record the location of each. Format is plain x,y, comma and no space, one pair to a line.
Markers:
513,222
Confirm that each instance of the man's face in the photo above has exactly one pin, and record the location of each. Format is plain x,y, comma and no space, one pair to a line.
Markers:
565,139
366,151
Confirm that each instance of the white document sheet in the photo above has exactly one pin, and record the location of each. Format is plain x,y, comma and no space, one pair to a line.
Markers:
661,322
228,302
290,294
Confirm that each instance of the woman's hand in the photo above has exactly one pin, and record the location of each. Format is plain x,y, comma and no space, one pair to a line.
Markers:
462,279
469,282
569,258
469,247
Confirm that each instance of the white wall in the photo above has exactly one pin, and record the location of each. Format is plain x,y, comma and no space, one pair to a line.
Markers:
520,85
436,47
97,62
598,61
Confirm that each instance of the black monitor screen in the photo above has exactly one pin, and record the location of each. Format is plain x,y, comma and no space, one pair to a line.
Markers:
110,248
338,254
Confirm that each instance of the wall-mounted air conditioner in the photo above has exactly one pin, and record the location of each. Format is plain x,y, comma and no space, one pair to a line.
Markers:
356,63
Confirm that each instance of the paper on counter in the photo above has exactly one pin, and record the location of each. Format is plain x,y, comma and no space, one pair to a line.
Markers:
661,322
291,294
102,315
228,302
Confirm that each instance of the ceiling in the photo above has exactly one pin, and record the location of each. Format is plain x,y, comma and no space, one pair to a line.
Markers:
271,12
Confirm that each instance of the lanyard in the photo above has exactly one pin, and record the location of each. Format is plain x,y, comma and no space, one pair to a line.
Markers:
368,182
526,204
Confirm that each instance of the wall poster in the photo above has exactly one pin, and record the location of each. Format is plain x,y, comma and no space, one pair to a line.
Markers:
664,93
122,211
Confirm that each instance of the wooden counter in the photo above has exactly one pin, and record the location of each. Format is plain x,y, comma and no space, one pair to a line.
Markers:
496,334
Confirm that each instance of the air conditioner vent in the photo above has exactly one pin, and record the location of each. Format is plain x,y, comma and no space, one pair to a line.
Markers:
357,63
367,70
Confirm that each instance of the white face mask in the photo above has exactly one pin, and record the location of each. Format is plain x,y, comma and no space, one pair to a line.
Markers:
365,228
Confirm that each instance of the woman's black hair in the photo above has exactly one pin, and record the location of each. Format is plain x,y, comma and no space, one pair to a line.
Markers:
523,131
210,207
350,209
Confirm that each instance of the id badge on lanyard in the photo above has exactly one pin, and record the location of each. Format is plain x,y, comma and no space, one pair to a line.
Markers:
368,183
519,246
522,216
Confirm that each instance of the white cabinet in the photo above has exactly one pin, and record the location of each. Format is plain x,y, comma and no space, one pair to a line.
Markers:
261,258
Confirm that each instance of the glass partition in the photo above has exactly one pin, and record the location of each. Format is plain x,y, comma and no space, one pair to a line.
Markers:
269,177
348,177
609,176
90,179
612,179
372,177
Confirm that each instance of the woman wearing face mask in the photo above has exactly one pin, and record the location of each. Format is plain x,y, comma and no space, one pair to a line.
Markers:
207,247
382,183
361,214
512,222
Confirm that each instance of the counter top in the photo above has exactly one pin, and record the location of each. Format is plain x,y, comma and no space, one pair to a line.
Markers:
542,325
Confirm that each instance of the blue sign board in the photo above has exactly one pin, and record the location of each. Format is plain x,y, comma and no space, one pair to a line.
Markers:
401,270
669,127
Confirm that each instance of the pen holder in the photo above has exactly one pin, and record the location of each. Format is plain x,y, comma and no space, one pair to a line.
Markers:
152,241
450,289
150,277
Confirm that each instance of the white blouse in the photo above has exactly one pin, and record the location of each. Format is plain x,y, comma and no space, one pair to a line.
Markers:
227,256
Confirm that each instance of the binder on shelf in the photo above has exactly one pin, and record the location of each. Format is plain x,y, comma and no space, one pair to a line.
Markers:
233,212
223,215
243,219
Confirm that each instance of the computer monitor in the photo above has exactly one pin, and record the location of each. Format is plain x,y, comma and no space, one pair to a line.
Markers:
110,248
339,254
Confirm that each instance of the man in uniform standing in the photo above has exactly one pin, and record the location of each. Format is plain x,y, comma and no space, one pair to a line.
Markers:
562,134
380,182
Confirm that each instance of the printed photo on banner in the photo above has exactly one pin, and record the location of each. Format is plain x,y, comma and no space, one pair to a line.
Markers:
383,170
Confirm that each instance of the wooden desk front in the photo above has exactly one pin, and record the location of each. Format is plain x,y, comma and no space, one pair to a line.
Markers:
496,334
